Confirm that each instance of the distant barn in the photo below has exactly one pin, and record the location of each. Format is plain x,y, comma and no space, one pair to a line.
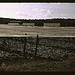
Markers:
52,24
14,23
28,24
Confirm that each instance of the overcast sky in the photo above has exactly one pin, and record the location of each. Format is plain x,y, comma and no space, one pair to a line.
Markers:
37,10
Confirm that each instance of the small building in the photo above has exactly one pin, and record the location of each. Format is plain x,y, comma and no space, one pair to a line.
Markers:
14,23
52,24
28,24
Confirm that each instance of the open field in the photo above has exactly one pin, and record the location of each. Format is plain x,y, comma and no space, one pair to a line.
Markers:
6,30
51,46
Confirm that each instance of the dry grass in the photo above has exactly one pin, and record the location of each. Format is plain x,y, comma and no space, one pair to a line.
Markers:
6,30
43,65
40,65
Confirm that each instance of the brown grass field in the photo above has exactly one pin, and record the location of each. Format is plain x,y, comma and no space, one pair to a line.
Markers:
6,30
40,65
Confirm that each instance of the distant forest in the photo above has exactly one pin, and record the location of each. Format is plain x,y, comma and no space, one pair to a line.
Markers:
63,22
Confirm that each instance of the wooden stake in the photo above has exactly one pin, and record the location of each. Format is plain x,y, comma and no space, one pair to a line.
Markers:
36,46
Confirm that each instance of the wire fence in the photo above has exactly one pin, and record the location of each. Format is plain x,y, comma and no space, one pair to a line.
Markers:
37,47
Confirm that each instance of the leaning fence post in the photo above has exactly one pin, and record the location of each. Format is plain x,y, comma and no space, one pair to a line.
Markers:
36,46
25,41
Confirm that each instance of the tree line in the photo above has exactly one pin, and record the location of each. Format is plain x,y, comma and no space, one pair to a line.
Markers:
63,22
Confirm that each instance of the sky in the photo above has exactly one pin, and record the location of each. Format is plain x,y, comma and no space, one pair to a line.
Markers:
37,10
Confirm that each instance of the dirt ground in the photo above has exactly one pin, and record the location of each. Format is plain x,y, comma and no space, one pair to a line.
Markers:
6,30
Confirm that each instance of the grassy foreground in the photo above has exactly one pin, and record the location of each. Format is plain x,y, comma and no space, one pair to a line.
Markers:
40,65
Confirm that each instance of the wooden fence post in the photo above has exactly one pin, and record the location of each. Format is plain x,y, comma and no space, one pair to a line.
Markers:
25,41
36,46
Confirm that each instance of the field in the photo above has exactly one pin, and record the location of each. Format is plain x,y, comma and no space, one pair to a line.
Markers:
22,65
6,30
57,48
